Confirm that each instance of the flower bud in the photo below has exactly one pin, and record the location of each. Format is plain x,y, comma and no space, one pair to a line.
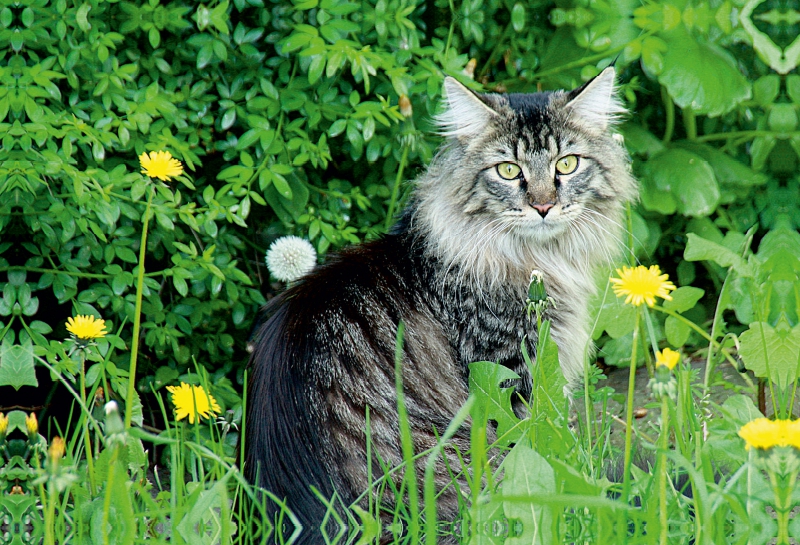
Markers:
469,69
56,450
32,425
405,106
536,289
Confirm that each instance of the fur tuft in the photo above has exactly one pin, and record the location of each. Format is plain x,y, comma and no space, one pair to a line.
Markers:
466,115
596,104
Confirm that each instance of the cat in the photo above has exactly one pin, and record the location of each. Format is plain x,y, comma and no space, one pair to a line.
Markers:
521,182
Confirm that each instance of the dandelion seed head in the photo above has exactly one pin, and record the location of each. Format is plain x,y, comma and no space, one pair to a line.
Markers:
290,258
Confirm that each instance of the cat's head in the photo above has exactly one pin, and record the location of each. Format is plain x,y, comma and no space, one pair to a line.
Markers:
538,161
520,171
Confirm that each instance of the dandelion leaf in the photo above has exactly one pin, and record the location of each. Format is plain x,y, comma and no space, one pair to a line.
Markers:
615,317
118,525
202,523
547,374
772,352
532,478
17,366
493,401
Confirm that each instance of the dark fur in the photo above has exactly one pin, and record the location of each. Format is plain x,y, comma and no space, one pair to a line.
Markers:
326,352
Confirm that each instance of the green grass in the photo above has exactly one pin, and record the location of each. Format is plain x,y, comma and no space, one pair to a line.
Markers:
549,486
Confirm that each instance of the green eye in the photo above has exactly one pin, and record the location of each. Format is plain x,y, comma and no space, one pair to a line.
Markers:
567,164
508,171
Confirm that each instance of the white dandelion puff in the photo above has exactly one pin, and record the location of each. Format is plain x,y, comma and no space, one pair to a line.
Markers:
290,258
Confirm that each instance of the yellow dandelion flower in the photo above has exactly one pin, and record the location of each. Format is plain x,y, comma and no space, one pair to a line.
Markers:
32,424
161,165
56,450
668,358
763,433
793,434
3,424
642,285
192,400
86,327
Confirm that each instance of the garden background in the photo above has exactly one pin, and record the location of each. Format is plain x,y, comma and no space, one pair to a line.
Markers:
308,118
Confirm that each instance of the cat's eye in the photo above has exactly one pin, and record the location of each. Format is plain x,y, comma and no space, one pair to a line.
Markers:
508,171
567,164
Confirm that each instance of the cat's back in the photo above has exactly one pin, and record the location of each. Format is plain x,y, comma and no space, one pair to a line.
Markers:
326,353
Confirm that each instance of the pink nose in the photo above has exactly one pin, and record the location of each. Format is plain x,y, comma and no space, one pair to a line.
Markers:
543,209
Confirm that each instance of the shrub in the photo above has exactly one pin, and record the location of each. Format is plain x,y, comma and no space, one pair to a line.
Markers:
307,117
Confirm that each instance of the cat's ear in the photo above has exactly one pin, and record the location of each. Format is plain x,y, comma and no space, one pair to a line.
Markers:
596,103
466,115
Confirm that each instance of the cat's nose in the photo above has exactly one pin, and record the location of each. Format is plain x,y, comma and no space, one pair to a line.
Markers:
543,209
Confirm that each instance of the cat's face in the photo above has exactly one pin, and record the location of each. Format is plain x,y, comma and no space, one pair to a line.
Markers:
537,164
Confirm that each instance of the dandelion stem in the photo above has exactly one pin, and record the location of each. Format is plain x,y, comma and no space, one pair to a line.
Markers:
137,315
626,477
700,331
86,417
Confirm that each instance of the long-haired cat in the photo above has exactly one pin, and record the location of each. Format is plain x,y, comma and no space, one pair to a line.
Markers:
521,182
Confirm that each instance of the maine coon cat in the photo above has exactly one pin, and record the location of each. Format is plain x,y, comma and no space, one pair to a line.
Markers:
521,182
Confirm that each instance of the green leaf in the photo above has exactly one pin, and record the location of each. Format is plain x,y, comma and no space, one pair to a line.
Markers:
518,17
528,475
726,169
687,178
766,89
205,507
700,249
17,365
280,183
772,352
676,331
684,298
701,75
615,317
120,523
493,401
547,374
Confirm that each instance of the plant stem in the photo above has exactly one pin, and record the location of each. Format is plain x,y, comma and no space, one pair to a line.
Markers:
690,123
662,470
589,404
137,315
629,226
747,135
86,417
626,476
49,513
669,108
396,189
700,331
652,334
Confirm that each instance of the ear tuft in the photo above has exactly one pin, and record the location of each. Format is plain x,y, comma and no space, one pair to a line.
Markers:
465,115
596,102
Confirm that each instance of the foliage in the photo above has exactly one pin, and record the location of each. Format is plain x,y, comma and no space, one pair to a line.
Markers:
305,117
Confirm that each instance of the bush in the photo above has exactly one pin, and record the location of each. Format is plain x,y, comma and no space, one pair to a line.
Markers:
307,117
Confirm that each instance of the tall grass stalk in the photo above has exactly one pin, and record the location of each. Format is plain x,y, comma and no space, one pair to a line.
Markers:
406,442
662,472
